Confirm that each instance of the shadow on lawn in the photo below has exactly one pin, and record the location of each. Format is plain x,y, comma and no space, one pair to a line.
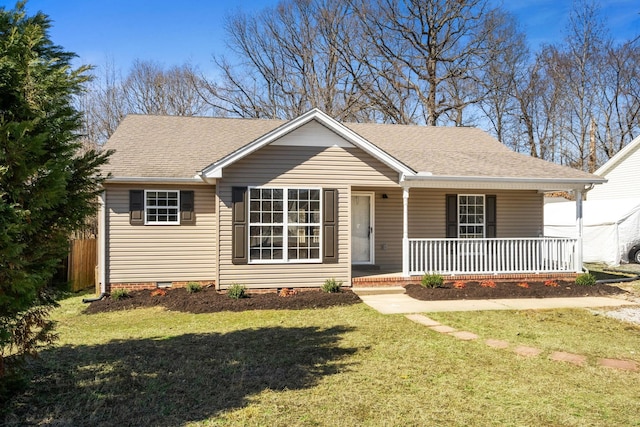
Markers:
170,381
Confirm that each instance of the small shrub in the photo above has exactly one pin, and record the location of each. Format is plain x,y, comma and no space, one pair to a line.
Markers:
331,286
551,283
488,284
432,281
459,284
523,285
586,279
237,291
118,294
193,287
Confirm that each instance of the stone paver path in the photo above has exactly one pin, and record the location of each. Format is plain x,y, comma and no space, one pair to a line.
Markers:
576,359
522,350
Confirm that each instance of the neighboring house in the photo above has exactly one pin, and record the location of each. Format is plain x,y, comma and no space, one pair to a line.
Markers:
622,172
272,204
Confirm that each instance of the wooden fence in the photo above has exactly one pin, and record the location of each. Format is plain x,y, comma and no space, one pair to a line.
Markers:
82,263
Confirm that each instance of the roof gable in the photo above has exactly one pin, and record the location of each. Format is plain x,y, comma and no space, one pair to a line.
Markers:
619,157
215,169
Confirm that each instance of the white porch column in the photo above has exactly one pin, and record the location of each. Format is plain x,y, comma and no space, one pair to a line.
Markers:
405,232
579,231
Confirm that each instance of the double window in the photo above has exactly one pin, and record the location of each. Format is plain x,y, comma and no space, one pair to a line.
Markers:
284,224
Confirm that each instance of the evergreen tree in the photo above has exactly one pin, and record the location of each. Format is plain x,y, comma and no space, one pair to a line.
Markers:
48,187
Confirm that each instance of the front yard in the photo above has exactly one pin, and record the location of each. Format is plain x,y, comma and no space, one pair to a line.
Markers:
341,366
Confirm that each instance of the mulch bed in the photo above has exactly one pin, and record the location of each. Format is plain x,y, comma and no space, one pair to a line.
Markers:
208,300
473,290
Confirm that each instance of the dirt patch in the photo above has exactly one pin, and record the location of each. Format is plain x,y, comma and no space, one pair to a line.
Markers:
208,300
502,290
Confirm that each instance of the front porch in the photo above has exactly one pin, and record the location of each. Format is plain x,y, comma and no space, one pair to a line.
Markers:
538,258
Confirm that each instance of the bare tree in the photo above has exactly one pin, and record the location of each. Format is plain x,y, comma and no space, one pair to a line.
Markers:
289,62
502,81
424,56
147,89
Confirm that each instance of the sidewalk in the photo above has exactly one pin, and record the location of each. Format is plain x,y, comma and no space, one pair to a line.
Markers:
397,303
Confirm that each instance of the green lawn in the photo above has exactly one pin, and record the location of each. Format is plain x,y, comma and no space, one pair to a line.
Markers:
345,366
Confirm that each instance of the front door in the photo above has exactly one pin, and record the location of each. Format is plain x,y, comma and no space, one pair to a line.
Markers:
362,228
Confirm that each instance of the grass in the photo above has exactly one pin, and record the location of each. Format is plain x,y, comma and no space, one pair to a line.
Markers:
343,366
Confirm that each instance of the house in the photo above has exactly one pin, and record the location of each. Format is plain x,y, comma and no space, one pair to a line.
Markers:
621,172
272,204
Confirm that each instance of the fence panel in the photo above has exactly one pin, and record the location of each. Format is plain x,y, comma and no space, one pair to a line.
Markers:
82,264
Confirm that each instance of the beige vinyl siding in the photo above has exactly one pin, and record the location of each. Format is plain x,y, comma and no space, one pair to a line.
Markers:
160,253
519,214
622,180
297,167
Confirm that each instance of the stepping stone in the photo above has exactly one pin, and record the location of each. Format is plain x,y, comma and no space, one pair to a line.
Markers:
423,320
464,335
496,343
576,359
523,350
627,365
443,329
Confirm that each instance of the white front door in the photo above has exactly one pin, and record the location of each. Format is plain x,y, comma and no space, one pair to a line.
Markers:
362,228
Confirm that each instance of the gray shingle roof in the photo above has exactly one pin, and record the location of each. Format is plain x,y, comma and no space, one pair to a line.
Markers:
179,147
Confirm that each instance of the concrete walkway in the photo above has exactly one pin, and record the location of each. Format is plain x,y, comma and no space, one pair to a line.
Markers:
399,303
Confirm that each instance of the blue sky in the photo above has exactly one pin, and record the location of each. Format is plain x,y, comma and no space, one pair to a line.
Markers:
174,32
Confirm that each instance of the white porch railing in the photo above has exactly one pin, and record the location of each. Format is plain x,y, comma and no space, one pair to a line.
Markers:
492,256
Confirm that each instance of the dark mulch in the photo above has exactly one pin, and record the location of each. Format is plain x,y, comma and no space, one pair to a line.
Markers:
473,290
208,300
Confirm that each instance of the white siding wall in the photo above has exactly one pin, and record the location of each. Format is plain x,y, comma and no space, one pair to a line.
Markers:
622,180
160,253
297,166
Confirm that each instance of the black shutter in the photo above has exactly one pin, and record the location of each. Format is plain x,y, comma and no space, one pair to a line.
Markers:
330,226
187,214
452,216
491,216
136,207
239,253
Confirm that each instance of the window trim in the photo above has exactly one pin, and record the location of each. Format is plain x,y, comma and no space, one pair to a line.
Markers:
177,207
285,227
484,216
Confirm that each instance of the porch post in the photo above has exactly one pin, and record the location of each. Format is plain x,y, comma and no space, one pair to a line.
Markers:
405,232
579,231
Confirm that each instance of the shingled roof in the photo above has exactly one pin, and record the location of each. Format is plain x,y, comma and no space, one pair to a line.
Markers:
180,147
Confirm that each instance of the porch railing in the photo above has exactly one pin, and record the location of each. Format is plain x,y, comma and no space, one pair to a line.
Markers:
492,256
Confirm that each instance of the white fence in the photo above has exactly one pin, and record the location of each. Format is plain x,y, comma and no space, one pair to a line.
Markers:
492,256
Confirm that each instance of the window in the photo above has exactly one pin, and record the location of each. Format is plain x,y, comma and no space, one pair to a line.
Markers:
161,207
284,224
471,216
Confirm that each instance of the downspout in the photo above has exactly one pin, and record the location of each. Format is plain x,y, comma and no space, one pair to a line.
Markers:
102,248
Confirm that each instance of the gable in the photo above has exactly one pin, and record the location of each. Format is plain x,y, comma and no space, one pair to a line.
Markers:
312,134
215,170
621,172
